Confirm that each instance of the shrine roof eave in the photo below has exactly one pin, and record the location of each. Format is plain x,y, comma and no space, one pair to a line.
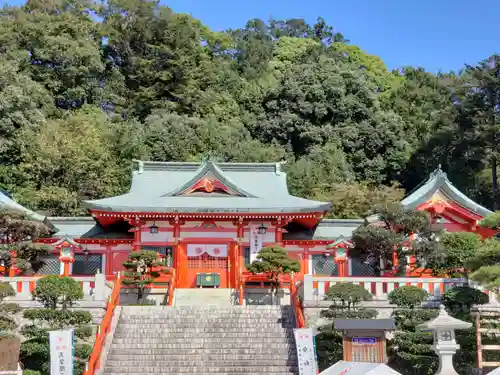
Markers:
124,205
438,182
153,211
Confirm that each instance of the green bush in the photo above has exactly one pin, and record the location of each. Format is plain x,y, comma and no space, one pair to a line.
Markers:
31,372
347,295
6,290
7,324
460,299
10,308
58,318
408,296
53,290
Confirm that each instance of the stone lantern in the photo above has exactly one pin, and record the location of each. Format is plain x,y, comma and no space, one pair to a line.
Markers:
445,346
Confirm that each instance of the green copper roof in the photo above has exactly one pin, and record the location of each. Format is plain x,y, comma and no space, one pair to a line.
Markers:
261,188
336,229
7,202
438,182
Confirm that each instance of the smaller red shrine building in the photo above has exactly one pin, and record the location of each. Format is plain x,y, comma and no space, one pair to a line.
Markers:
214,217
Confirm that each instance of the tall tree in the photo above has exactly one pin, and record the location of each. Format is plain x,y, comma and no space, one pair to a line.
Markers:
482,103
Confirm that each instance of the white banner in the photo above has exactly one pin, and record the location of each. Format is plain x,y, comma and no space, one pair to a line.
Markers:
304,341
61,352
218,251
256,242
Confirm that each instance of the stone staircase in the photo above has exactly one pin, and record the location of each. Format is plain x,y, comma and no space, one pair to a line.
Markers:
203,297
233,340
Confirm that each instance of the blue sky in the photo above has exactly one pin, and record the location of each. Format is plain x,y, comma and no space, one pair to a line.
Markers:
435,34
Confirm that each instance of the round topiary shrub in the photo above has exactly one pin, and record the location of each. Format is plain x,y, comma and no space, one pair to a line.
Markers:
408,296
460,299
348,294
53,290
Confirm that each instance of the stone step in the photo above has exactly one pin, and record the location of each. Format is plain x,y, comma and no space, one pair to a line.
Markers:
206,337
217,362
200,341
206,356
207,324
162,321
176,372
207,315
139,347
201,369
203,325
246,351
234,309
224,341
246,331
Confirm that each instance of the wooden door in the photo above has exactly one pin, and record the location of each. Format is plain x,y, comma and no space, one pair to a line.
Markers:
206,259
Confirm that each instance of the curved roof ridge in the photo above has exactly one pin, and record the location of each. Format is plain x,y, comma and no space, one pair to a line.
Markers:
147,165
438,180
206,167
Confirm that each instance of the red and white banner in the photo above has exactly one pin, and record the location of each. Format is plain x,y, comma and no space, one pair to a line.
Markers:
195,250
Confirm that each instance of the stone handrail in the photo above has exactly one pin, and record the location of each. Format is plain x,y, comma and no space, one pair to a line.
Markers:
315,287
94,287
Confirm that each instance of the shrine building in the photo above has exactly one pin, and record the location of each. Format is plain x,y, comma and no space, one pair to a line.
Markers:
213,218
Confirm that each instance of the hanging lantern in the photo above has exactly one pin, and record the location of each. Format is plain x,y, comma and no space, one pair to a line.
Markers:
153,229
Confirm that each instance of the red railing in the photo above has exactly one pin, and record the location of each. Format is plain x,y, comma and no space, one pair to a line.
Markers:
102,331
300,321
171,288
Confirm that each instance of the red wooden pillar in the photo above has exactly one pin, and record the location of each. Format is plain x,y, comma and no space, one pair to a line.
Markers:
279,231
304,267
12,269
137,224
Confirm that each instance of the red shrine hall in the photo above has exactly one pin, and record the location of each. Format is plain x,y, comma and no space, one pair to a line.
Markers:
213,218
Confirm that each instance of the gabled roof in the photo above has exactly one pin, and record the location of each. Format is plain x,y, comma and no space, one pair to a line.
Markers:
438,184
260,187
7,202
211,170
364,324
336,229
72,227
359,368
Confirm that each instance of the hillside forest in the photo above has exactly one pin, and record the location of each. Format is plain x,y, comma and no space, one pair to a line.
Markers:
86,88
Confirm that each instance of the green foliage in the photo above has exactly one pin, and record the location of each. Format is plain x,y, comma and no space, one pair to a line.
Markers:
6,290
460,299
86,88
347,299
54,290
273,261
408,296
347,295
140,270
7,324
391,231
491,221
485,264
9,308
21,229
329,346
35,351
457,249
31,372
58,318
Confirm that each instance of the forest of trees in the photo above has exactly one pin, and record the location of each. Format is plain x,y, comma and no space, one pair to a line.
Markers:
86,88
